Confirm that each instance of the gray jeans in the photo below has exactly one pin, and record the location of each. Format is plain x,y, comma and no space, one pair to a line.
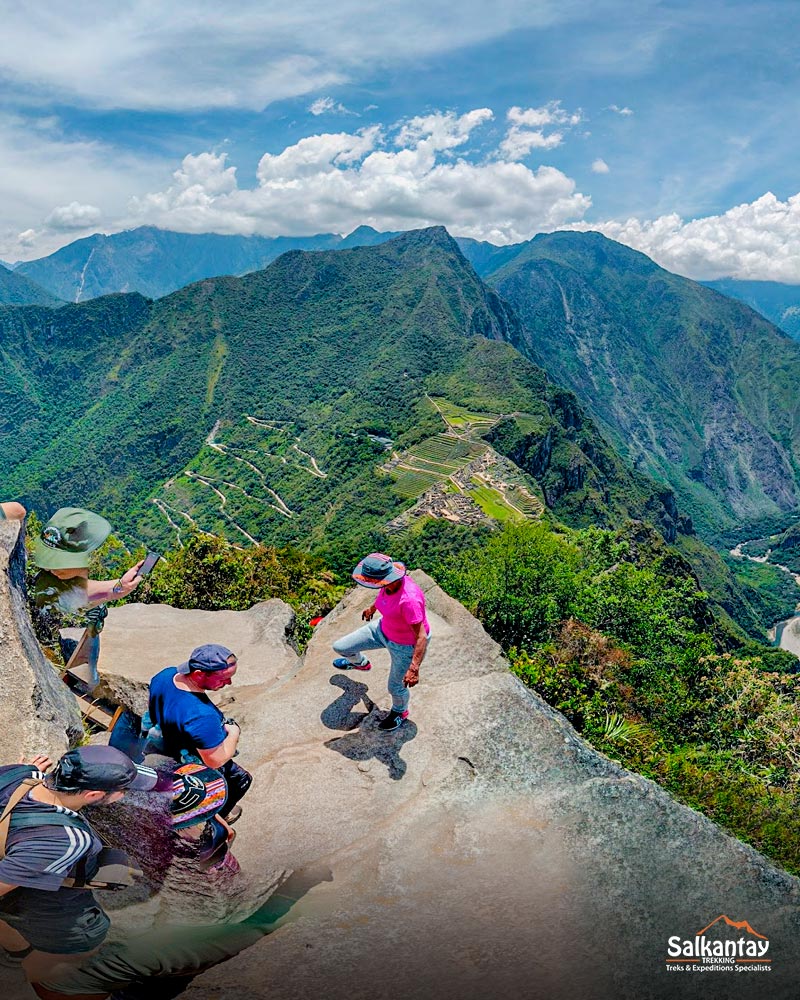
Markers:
370,636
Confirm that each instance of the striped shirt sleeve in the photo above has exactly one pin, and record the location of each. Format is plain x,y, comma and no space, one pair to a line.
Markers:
44,860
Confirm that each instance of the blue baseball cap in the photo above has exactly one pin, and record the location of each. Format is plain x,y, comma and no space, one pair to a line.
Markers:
207,658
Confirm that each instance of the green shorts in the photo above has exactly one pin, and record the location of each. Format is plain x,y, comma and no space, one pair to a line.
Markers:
67,922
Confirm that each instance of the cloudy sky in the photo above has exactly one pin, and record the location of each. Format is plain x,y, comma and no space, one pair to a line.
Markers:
670,125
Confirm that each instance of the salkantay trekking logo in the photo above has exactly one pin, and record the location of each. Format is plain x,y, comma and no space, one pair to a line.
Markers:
747,952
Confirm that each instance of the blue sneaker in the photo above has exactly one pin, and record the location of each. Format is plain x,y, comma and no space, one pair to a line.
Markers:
342,663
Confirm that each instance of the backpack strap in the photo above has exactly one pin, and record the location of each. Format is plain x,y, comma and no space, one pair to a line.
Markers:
17,795
115,870
14,774
11,820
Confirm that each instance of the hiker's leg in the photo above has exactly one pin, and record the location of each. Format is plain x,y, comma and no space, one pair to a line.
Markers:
351,646
401,660
47,966
238,781
44,993
64,928
11,939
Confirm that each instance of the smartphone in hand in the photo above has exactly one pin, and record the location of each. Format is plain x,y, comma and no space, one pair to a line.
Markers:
150,560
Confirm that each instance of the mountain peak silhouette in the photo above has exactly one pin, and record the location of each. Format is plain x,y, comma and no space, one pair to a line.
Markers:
740,925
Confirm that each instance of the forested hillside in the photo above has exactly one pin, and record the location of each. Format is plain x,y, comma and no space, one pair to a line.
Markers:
692,387
16,289
302,403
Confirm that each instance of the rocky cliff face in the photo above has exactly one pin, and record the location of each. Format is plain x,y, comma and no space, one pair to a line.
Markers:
483,850
37,711
673,372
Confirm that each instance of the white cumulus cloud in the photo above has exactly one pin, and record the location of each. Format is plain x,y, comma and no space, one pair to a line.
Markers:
625,112
327,106
42,168
758,241
526,129
414,174
73,216
599,166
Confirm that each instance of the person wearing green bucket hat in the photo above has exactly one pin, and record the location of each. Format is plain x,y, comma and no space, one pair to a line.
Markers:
63,552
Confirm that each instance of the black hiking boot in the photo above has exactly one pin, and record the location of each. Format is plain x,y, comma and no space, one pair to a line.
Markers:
392,721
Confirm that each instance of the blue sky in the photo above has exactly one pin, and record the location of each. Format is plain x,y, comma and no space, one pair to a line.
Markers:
668,125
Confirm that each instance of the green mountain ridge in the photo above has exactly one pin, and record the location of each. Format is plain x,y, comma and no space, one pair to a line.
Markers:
156,262
692,388
16,289
333,347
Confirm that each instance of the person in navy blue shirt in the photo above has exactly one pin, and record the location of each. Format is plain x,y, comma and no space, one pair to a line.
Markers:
192,727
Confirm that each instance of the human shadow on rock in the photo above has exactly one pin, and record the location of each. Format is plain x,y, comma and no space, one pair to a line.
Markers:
339,714
367,742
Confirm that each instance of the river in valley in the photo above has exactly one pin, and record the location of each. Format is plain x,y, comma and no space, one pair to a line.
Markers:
786,633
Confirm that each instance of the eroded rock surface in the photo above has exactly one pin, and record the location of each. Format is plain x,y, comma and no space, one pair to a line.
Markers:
481,851
140,639
37,711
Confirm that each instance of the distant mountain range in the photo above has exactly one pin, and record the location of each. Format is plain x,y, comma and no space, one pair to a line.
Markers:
16,289
156,262
692,387
779,303
260,406
674,373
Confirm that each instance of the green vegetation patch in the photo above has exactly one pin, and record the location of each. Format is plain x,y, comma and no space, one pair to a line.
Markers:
615,634
492,502
460,418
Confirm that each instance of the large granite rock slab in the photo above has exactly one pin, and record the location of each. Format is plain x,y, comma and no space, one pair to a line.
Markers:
483,850
37,711
138,640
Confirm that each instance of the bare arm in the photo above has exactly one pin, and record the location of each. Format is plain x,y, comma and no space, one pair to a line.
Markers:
224,752
99,591
411,678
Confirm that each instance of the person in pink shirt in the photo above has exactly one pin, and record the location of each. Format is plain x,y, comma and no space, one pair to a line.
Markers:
402,629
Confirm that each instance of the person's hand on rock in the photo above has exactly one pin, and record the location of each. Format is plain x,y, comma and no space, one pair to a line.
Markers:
40,761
